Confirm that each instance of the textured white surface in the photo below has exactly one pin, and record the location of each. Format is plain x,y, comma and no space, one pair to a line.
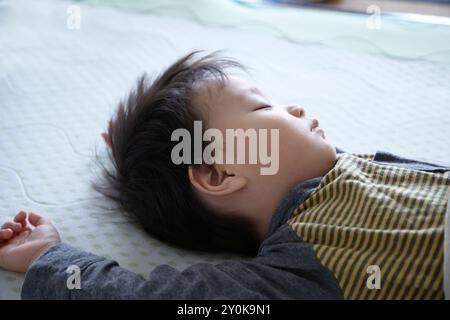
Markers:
58,88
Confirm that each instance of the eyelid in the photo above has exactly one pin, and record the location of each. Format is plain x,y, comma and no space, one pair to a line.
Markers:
263,107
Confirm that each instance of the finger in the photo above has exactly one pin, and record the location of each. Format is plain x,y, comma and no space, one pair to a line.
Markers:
14,226
21,217
6,234
37,220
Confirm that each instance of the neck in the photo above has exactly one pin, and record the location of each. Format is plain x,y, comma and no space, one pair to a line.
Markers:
261,214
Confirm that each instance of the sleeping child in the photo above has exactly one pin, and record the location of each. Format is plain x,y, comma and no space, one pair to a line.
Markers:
327,224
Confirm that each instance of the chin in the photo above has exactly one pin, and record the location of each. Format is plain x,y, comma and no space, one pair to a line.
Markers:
330,155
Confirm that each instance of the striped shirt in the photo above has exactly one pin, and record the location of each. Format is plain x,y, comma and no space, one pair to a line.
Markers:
378,228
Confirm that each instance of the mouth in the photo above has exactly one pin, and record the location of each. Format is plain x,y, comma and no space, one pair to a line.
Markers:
316,129
314,124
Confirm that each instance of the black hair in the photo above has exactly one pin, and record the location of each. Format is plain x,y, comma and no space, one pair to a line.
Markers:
148,187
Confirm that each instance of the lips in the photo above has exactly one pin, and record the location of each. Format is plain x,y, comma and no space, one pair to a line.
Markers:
315,128
314,124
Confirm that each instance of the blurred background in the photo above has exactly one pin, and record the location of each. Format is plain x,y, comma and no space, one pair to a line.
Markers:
424,7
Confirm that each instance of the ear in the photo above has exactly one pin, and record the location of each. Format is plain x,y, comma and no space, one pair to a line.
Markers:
214,180
105,137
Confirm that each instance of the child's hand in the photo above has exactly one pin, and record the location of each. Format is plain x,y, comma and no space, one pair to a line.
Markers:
21,244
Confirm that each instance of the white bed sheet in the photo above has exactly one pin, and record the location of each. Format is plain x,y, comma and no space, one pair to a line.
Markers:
58,87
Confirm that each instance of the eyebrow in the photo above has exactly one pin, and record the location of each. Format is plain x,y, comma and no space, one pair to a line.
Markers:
258,92
255,90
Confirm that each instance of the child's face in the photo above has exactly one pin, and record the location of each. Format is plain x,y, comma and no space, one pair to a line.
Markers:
303,153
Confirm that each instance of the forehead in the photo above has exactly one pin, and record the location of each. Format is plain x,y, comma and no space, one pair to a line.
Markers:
234,90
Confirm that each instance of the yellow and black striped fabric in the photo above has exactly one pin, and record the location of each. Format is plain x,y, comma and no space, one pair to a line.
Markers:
369,214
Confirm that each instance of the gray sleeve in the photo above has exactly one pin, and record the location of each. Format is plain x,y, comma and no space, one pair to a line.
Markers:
389,158
105,279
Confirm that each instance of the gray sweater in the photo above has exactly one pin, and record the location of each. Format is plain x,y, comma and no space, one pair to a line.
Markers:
284,268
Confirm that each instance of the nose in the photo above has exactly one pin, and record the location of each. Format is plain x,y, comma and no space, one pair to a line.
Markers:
297,111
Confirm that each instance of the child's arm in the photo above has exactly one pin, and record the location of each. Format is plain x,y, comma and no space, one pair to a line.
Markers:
265,277
280,271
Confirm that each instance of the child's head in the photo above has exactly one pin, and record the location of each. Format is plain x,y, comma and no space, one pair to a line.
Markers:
219,206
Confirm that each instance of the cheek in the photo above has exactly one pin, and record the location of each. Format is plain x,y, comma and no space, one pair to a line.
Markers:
299,150
295,138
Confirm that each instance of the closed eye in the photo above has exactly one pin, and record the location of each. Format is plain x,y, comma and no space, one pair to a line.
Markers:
263,107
